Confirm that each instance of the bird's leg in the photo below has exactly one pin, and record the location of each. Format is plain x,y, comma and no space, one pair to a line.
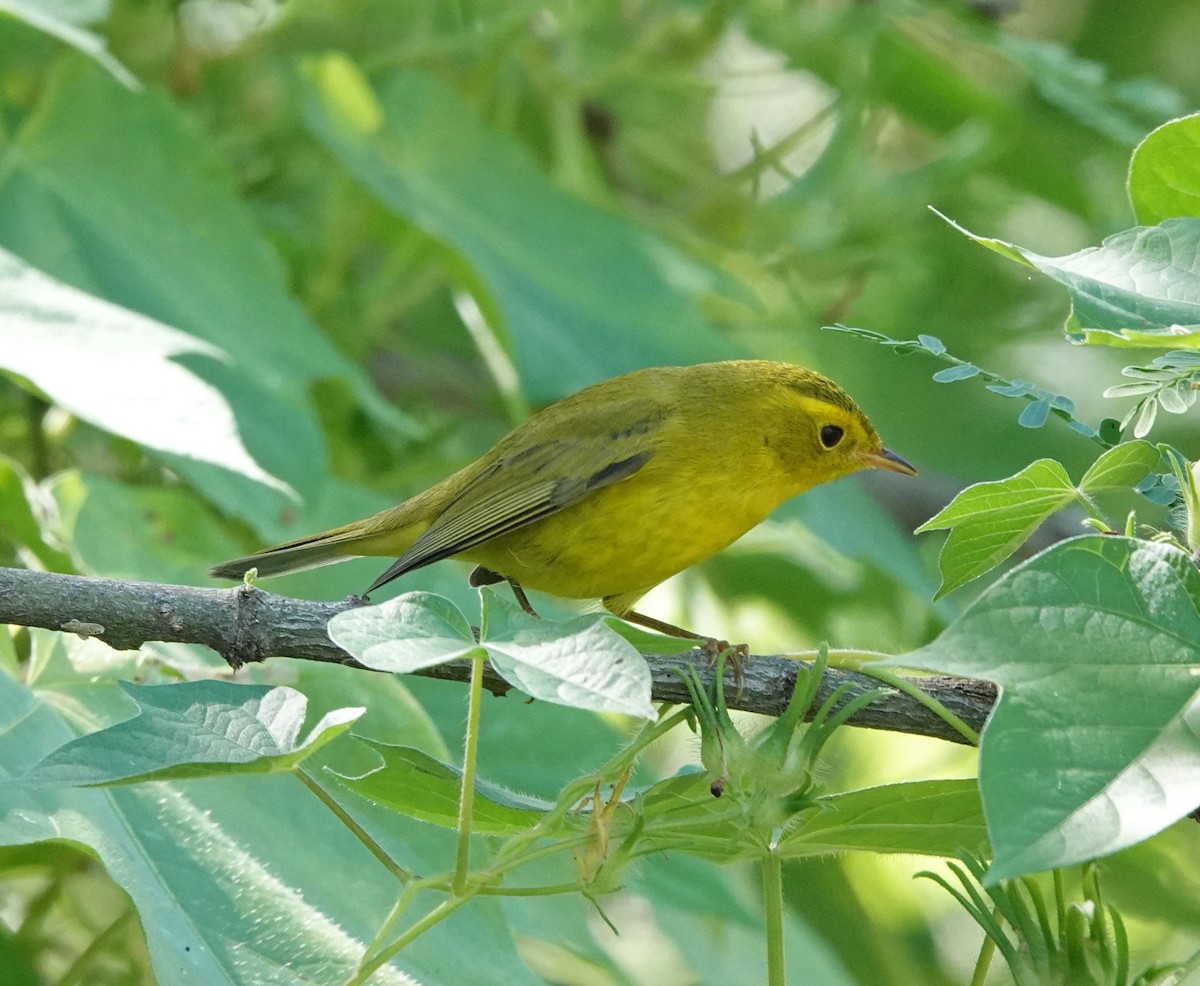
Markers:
650,623
711,646
522,599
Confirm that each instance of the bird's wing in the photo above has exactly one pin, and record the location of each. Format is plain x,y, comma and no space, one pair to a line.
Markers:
530,483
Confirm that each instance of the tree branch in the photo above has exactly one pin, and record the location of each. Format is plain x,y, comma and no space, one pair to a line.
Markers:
246,625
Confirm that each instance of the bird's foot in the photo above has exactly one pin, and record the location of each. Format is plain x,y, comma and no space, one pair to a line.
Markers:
738,656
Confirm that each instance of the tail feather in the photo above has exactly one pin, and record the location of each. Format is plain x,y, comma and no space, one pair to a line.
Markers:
295,556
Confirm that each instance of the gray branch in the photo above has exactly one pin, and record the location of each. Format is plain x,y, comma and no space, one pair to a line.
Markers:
246,625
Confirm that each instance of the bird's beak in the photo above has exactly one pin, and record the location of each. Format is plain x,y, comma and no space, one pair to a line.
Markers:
887,459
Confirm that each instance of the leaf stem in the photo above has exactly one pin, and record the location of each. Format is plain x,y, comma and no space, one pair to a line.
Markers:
376,850
466,803
437,915
772,878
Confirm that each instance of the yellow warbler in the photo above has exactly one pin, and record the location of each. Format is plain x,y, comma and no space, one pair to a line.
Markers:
617,487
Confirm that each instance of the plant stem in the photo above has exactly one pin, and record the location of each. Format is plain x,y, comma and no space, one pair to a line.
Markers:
909,688
772,878
984,962
438,914
466,802
398,871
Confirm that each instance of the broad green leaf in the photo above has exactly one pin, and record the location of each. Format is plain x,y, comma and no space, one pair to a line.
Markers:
931,818
989,521
216,868
66,21
1140,287
415,784
193,729
581,293
1121,467
116,369
412,631
153,223
1164,172
1094,744
582,663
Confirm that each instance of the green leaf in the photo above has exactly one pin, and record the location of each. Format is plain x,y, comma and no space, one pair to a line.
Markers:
1164,172
989,521
932,818
582,663
154,223
116,369
963,371
63,21
192,729
1121,467
135,531
19,526
581,293
411,631
1140,287
217,868
1094,744
415,784
1034,415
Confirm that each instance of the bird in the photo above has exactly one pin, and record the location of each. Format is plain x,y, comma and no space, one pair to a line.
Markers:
615,488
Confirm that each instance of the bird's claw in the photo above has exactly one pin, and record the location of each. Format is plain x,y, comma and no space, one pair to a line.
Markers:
738,656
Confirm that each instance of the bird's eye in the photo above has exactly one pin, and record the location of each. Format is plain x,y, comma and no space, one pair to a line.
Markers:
831,435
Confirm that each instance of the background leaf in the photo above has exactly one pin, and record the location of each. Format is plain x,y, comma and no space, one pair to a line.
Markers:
116,369
546,260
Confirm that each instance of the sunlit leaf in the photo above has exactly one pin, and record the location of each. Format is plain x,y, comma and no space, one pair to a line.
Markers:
1164,172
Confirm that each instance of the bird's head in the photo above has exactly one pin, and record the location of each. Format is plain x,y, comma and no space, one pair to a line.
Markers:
823,433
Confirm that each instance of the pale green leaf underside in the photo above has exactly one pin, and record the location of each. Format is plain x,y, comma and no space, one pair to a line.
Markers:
1140,287
115,368
193,729
580,663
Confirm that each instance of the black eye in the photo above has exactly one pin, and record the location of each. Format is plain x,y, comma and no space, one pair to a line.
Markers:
831,435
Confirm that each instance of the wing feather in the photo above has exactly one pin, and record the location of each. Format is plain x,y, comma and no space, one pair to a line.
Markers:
531,483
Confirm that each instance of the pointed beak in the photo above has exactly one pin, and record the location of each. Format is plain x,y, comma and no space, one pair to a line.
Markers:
887,459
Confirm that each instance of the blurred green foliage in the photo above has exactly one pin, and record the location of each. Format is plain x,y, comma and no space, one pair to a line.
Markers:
403,225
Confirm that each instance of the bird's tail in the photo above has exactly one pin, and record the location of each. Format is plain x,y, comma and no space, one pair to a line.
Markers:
340,544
